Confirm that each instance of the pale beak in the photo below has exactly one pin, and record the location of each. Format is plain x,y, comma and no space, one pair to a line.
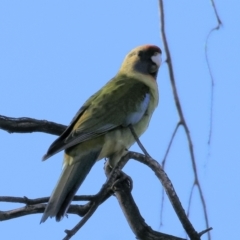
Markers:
156,58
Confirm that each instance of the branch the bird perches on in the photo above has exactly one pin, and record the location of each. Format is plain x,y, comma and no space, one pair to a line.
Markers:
121,190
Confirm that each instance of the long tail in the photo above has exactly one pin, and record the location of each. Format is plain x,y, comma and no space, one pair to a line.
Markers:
70,180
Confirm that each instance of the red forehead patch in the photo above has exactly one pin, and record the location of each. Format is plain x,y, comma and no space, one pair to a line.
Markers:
152,47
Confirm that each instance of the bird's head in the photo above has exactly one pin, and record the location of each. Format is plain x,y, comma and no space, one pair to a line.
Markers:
144,59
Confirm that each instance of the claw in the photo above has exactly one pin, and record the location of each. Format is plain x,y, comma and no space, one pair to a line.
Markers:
121,178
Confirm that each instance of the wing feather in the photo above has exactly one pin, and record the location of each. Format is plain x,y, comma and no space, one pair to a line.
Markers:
121,102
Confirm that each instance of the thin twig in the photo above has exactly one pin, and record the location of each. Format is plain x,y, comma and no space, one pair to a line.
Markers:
73,231
180,112
170,144
138,141
101,197
190,199
217,27
29,201
163,166
205,231
79,210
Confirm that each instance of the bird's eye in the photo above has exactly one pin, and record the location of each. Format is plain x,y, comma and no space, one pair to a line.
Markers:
140,53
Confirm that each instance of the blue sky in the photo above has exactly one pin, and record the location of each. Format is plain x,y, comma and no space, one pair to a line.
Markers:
54,55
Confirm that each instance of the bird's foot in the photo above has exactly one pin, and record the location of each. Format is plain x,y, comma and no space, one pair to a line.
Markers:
122,178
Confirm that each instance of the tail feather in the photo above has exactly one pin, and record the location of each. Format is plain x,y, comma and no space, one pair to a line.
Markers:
70,180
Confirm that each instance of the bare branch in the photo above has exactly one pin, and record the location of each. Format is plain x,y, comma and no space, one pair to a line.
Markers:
172,195
79,210
138,141
24,199
217,27
95,200
29,125
219,22
190,199
163,166
37,206
133,216
180,112
105,191
170,144
29,201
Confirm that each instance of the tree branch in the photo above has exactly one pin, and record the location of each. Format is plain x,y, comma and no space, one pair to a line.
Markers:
29,125
180,113
38,205
133,216
79,210
217,27
124,196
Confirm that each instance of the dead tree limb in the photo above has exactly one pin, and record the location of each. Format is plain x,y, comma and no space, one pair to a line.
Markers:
135,221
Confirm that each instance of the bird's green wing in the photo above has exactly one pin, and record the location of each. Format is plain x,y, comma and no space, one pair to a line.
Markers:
121,102
57,145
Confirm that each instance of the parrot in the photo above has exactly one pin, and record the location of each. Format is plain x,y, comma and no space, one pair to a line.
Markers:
100,129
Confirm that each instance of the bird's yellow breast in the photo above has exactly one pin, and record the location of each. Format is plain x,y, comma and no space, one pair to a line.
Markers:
117,142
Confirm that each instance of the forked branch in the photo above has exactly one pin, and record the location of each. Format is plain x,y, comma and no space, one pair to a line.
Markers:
123,195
